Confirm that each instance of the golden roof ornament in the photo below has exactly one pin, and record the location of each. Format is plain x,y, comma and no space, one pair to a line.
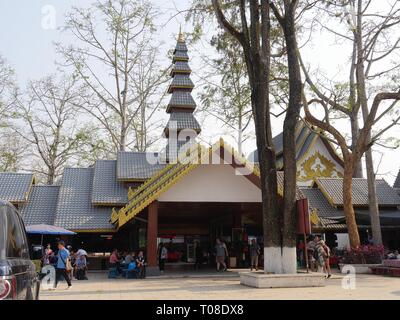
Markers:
181,37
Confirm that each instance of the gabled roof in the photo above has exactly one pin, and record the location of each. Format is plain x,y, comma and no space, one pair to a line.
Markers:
15,187
150,191
74,208
333,218
333,190
318,203
134,166
106,189
305,138
41,206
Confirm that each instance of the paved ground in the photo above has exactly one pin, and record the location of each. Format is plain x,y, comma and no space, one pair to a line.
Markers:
210,285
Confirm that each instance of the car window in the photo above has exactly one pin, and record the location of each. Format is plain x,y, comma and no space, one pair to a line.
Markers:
13,243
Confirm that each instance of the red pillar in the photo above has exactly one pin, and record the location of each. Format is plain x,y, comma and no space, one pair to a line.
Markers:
152,233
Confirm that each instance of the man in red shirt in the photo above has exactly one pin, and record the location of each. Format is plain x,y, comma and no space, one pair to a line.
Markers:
114,260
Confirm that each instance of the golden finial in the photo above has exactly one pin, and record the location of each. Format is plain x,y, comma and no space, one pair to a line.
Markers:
181,38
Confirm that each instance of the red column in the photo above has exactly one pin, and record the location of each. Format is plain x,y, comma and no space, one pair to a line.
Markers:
152,233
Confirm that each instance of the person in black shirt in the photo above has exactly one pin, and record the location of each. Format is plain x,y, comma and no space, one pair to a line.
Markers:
141,265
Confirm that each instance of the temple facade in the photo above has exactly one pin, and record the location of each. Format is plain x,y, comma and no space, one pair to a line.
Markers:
186,192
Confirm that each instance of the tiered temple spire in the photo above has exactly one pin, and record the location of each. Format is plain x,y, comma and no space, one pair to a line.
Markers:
182,125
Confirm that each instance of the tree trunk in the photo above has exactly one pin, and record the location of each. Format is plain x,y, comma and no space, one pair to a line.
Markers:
289,233
348,204
355,128
269,185
362,93
373,203
240,135
51,174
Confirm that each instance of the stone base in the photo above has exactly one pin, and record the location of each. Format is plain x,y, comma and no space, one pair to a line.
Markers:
297,280
152,271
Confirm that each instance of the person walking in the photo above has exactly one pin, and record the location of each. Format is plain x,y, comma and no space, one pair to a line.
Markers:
221,252
323,254
63,264
162,257
254,253
47,254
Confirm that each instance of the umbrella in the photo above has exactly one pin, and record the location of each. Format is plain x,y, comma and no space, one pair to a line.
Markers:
47,229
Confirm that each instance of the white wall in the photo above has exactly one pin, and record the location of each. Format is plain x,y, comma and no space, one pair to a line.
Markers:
212,183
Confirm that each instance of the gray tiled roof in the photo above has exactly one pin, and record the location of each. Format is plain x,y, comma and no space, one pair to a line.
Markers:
333,218
181,66
182,120
316,200
181,46
180,55
182,99
397,181
387,196
14,187
41,206
135,166
74,208
176,147
180,80
278,143
106,188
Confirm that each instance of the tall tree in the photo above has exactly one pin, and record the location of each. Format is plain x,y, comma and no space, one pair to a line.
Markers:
116,38
228,98
286,17
253,34
367,32
11,148
51,126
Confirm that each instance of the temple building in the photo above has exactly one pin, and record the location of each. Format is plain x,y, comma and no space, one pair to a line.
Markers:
187,192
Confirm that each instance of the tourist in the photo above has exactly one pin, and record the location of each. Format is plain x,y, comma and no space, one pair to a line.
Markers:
300,252
129,257
63,264
141,265
221,252
323,254
114,261
47,255
81,252
81,267
393,255
162,257
310,252
254,253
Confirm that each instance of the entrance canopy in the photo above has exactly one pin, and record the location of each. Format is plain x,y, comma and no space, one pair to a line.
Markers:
217,174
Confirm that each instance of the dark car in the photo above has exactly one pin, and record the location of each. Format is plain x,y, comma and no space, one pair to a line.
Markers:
18,277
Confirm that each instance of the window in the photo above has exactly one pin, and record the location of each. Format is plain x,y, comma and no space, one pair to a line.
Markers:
12,236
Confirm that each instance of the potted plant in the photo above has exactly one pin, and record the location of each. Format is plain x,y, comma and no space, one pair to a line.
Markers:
362,258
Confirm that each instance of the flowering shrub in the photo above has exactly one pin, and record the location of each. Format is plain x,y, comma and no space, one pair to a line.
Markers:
364,254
